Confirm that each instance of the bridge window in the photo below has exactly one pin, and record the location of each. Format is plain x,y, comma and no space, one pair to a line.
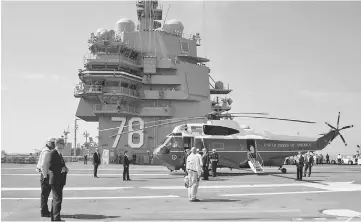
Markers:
184,47
218,146
218,130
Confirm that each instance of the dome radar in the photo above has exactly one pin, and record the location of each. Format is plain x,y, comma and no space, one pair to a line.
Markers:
101,32
219,85
173,26
124,25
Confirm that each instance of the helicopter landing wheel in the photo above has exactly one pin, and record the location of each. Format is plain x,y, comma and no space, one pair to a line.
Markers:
284,170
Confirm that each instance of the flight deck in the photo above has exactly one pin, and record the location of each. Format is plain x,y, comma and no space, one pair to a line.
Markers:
332,193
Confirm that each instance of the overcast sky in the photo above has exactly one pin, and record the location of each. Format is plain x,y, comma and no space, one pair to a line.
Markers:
290,59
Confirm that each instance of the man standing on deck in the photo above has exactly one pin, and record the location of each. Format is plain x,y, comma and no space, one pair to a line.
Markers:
96,162
126,163
57,178
214,161
194,173
43,168
205,160
300,160
327,159
309,164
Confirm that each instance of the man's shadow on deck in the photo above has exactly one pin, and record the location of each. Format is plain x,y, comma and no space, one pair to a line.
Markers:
89,216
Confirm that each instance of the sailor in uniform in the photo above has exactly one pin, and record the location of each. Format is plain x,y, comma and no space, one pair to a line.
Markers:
214,161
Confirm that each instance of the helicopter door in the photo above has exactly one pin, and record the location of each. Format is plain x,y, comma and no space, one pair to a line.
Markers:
251,148
187,142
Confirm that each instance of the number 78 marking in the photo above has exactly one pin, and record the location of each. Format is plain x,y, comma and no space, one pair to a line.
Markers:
122,121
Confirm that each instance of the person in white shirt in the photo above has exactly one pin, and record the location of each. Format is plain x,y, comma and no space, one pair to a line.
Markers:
339,159
43,168
194,173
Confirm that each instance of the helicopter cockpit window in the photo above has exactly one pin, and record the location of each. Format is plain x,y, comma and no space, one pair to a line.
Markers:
218,130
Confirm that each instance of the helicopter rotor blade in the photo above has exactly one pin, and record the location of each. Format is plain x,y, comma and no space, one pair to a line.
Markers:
330,126
158,125
338,119
343,139
162,120
345,127
265,114
261,117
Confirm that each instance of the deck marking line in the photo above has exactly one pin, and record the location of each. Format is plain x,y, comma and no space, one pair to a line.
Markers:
65,188
88,174
228,186
276,193
92,198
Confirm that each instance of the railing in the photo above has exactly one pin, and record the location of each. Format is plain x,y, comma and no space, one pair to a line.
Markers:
253,157
113,108
110,57
82,89
121,90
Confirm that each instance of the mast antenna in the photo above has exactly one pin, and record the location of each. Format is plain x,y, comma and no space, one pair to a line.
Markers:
166,15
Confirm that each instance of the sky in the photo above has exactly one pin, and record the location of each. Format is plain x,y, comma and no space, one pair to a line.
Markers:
290,59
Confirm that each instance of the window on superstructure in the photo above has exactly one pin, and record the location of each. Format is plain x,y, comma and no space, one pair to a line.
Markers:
218,130
184,47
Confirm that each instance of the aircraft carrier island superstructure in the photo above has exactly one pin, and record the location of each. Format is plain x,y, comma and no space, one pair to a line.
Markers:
137,74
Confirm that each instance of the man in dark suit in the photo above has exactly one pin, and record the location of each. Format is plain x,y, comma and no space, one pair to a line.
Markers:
205,161
300,162
57,178
126,163
96,162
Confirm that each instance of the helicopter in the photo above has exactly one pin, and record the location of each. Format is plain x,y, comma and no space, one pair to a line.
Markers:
238,146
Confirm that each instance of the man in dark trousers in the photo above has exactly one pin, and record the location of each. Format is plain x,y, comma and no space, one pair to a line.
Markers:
96,162
85,159
214,161
300,160
205,160
43,168
126,162
57,178
308,164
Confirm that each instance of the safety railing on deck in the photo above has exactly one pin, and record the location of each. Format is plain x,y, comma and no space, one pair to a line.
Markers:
114,108
121,90
81,89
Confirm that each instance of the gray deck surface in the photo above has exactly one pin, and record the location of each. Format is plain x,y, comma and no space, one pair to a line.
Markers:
156,194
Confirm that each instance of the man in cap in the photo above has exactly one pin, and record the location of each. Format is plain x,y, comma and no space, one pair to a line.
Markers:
194,173
57,178
309,163
43,168
205,161
214,161
96,162
300,160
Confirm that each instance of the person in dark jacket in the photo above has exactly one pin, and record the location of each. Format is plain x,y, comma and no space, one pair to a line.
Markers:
300,162
126,163
205,165
96,162
57,178
214,160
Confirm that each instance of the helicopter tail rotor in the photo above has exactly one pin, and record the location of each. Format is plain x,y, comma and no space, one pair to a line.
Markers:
337,129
